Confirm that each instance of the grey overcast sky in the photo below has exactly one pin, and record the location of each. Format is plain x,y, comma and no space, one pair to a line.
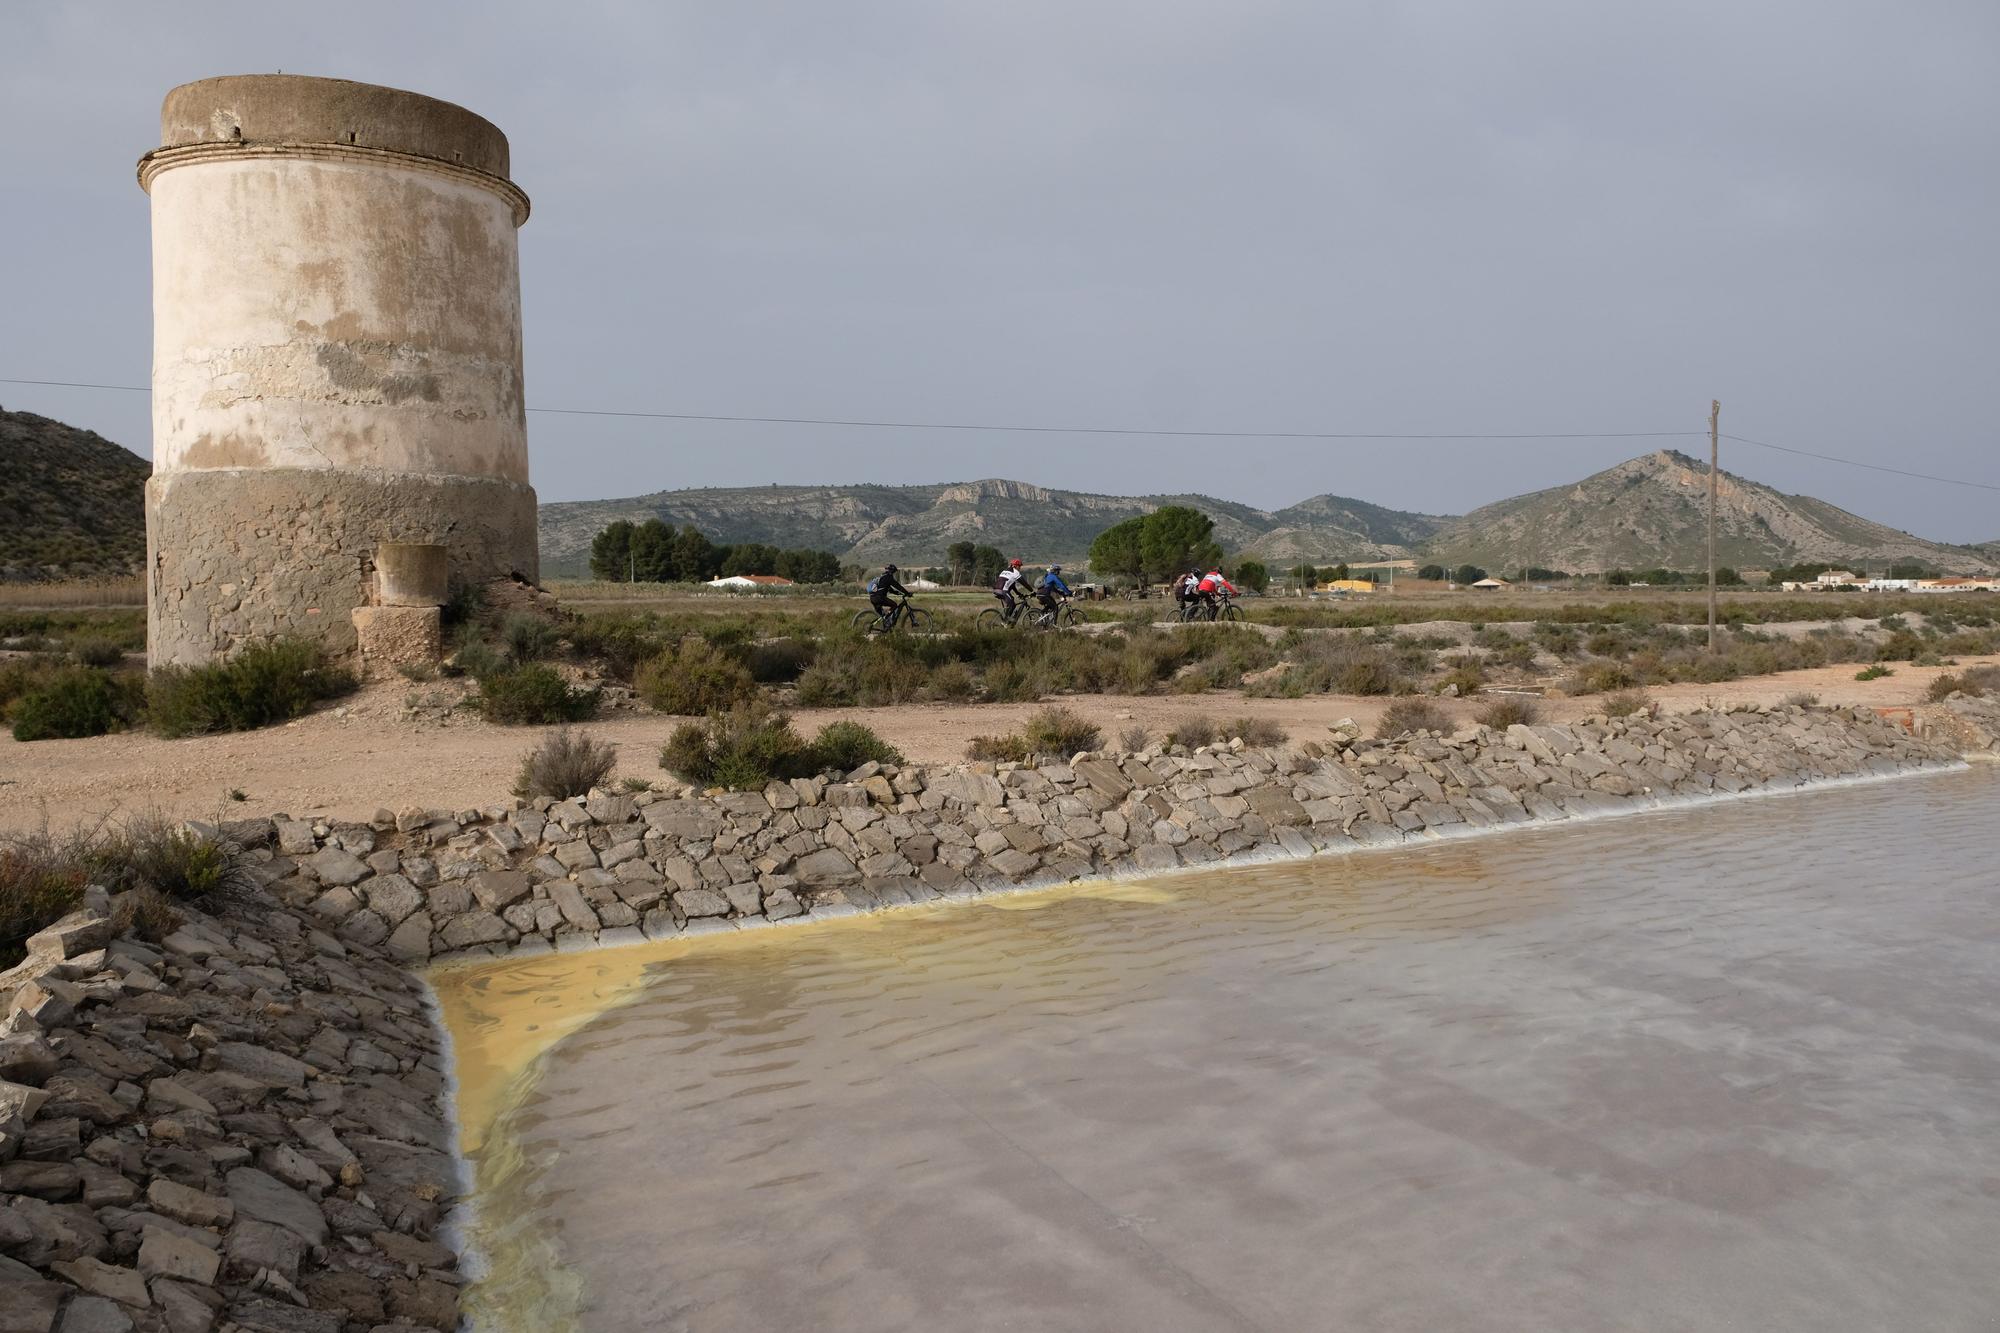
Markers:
1246,214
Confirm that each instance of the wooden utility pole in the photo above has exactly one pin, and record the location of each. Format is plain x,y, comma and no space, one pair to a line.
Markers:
1714,417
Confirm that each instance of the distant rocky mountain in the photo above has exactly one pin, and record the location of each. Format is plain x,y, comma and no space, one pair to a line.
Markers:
72,503
915,524
1644,513
1651,512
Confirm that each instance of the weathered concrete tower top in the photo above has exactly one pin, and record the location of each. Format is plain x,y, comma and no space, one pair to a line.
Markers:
337,355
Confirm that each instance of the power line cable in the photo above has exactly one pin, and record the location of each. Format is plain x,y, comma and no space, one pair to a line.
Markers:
1872,467
1015,429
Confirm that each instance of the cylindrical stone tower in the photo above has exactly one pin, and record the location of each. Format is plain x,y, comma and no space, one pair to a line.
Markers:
336,356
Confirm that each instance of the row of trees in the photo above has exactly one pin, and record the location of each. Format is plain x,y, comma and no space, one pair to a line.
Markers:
657,552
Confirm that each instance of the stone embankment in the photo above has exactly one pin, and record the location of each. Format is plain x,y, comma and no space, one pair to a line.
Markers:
241,1126
435,885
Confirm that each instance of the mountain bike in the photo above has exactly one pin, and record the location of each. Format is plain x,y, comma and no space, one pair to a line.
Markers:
899,615
1014,617
1063,616
1220,607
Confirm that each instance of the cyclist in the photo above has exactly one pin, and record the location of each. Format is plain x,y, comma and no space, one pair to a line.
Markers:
1210,586
883,587
1008,588
1183,590
1051,587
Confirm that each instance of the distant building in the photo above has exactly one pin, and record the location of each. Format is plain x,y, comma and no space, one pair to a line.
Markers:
1491,585
750,581
1349,585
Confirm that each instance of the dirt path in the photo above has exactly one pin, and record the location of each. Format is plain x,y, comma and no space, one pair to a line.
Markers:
349,761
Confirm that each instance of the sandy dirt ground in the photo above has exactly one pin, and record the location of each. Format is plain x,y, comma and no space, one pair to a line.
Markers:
362,755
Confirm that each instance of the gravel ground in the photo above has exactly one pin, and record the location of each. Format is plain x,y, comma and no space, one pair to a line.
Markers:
364,754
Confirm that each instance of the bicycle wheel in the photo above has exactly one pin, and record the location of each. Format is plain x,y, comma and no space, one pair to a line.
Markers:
1068,618
990,618
864,620
916,620
1232,613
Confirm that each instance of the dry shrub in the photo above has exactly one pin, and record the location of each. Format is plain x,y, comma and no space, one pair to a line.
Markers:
145,913
40,882
1412,714
153,852
529,637
569,763
1258,731
1194,732
97,652
1509,710
1802,699
1625,703
1134,739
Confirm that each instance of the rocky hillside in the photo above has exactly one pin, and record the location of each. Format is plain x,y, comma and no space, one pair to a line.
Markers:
72,503
915,524
1652,512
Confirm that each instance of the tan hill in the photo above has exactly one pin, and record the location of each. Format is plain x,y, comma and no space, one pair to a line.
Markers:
72,503
1651,512
915,524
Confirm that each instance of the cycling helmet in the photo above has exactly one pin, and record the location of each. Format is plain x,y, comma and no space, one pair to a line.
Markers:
1055,569
1015,563
888,569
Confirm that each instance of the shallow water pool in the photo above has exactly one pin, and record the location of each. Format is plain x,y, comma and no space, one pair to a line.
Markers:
1734,1066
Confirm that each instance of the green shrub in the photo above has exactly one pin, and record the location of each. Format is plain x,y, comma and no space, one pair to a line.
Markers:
529,637
1509,710
533,694
76,701
262,684
97,652
1412,714
778,661
1054,732
1466,676
693,678
478,659
846,746
742,749
1875,672
1624,703
566,764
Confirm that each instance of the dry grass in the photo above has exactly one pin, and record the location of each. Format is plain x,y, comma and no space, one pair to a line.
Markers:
126,591
567,764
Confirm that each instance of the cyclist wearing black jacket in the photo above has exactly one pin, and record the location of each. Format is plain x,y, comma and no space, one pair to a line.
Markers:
883,587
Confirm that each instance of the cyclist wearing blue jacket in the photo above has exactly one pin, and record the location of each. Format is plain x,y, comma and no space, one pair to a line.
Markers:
1051,585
